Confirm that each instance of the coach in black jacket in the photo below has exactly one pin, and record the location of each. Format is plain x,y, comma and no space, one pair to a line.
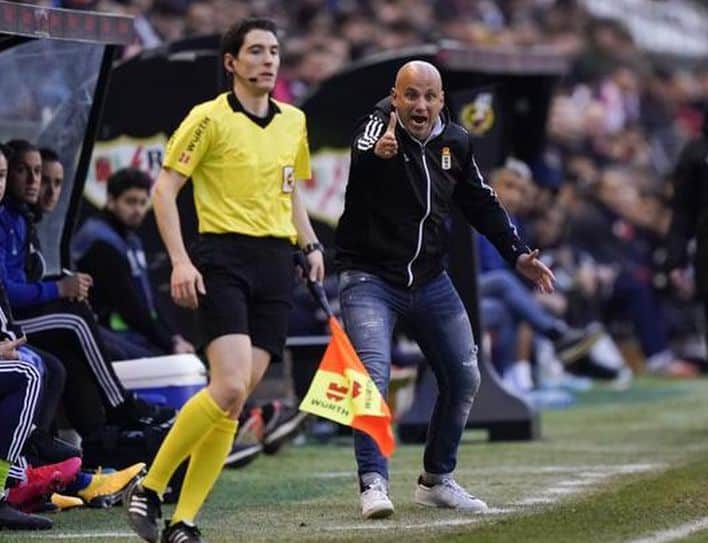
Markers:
410,163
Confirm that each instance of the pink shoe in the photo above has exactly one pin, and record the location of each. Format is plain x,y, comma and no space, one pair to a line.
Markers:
42,482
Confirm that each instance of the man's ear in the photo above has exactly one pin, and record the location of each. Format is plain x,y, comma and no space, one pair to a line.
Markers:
229,61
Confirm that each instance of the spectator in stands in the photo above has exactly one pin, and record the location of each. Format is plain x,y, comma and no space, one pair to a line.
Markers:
604,225
108,248
498,283
55,315
200,20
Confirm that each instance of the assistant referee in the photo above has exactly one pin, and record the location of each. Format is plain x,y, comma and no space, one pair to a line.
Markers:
244,152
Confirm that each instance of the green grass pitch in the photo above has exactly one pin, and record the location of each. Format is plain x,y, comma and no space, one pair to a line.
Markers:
626,466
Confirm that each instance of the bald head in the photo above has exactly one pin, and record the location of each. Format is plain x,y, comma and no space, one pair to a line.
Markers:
418,70
418,97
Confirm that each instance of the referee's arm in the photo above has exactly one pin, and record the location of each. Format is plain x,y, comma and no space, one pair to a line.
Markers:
306,236
186,279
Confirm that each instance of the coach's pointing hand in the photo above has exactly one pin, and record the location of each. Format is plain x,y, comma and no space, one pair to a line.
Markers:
387,146
186,282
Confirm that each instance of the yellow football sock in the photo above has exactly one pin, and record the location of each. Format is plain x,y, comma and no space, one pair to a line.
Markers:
205,465
195,420
4,471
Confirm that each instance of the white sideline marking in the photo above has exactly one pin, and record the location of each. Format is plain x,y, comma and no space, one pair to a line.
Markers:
599,470
383,525
86,535
573,484
562,490
331,475
536,500
569,487
679,532
396,526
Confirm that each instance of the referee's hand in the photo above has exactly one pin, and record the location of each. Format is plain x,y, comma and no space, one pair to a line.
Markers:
315,261
186,282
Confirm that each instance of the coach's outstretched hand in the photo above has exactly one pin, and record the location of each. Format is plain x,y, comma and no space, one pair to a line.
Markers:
185,283
534,270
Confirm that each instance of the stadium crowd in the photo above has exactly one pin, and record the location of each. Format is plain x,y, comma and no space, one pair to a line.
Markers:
597,202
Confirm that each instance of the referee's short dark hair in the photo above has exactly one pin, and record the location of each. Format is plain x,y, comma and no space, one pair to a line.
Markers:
126,179
233,38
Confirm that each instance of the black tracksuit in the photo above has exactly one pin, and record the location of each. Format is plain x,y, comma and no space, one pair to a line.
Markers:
396,210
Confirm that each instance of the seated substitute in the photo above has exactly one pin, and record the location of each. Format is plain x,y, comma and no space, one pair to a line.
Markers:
107,247
55,315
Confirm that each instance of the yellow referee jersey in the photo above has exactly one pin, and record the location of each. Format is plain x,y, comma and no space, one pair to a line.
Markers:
243,167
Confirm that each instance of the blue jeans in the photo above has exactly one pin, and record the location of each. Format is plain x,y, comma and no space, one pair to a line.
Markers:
497,317
506,287
439,323
636,299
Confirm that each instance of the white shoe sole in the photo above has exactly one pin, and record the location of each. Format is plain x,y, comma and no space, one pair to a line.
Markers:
243,453
378,511
285,429
422,497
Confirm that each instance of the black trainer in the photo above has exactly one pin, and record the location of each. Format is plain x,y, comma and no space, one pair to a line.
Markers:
12,519
282,423
135,412
574,344
144,508
248,442
42,448
181,533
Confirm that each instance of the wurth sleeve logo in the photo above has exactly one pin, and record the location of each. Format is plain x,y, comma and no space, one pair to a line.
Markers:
198,133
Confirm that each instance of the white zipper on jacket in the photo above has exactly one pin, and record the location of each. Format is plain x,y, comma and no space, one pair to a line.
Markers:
428,206
438,129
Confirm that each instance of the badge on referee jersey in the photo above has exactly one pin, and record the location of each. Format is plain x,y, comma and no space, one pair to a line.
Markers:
288,178
446,159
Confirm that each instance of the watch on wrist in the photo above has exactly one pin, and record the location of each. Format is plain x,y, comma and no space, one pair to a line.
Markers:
310,247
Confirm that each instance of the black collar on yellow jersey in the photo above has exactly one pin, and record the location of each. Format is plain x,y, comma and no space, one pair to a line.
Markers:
237,107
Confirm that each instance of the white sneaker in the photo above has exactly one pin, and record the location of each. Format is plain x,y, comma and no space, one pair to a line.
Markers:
375,502
448,493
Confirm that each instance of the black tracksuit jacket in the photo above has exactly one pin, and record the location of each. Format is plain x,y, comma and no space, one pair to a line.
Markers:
394,223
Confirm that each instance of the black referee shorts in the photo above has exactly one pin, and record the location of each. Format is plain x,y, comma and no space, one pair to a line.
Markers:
249,283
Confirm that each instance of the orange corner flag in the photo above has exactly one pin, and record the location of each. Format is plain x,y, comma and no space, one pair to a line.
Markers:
343,391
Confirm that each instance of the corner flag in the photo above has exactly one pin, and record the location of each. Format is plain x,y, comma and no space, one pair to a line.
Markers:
343,391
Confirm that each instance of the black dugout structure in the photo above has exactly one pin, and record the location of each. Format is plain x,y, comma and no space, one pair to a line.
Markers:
502,98
54,71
